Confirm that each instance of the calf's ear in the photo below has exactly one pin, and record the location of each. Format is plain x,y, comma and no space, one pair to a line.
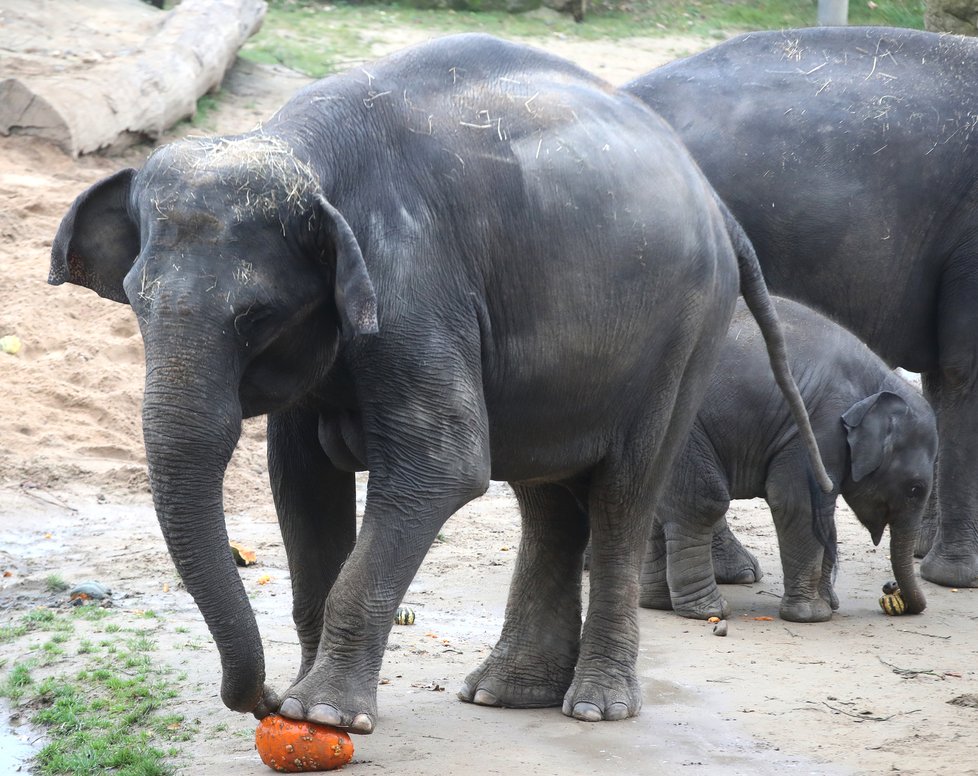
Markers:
97,241
871,425
356,301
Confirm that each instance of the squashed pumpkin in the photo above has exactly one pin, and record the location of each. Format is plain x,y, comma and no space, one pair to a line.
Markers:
294,746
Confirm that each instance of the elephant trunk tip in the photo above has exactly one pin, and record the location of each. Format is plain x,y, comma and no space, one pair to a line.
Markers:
238,696
915,601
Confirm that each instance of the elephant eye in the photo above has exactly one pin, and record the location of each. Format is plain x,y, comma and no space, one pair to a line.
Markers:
916,491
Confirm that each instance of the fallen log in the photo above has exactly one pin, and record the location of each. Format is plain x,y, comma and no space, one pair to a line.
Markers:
141,94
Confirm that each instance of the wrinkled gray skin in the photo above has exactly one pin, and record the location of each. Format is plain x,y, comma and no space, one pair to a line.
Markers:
878,439
440,268
850,158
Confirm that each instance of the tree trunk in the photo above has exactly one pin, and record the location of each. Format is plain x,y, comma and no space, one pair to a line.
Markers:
137,95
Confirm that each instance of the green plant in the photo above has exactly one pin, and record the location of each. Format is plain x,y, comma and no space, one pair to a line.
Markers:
55,584
202,118
17,681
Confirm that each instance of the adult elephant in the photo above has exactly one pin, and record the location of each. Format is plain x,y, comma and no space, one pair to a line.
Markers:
441,267
850,157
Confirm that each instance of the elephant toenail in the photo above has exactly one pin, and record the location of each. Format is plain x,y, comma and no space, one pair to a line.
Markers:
587,712
324,714
485,698
362,724
616,711
291,708
464,693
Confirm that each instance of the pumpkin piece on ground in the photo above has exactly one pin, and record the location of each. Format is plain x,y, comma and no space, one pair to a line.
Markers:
296,746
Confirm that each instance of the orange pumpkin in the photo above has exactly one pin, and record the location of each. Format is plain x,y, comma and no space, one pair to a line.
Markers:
295,746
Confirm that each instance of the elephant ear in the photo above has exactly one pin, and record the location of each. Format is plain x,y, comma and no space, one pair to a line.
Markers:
356,301
870,425
97,241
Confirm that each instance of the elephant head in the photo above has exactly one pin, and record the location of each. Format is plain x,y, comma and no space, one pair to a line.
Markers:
243,278
892,447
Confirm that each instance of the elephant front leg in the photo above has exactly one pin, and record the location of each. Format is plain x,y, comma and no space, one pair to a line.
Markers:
316,507
692,584
532,664
427,446
399,525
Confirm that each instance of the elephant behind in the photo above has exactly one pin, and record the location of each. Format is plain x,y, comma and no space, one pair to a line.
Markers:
850,157
877,436
442,267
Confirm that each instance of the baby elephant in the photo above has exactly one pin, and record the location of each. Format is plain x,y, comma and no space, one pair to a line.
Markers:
878,438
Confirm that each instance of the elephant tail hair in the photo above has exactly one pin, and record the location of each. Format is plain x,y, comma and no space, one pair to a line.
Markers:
755,293
823,521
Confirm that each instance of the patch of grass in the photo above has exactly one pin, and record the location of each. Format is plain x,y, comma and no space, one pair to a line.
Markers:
11,632
710,17
46,620
55,584
52,648
318,38
206,106
38,618
108,712
91,612
15,684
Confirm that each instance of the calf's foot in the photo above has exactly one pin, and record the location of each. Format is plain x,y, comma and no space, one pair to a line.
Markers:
797,609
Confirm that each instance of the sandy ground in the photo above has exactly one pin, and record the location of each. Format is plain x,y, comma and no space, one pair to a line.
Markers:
863,694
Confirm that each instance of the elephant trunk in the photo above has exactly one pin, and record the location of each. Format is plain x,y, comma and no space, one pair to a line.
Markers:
191,425
903,541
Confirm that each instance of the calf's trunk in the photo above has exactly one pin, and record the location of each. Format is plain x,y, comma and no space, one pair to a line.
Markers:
903,541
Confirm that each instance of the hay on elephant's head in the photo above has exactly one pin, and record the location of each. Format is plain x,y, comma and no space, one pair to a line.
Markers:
257,173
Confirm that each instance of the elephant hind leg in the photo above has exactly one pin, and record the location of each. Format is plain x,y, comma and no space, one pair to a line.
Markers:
691,580
653,583
733,564
624,493
532,664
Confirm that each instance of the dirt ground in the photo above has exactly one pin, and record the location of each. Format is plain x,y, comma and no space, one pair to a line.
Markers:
863,694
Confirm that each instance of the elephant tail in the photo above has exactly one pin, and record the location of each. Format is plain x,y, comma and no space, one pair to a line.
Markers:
755,293
823,522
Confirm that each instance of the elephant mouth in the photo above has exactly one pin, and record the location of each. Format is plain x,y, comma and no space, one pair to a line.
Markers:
877,534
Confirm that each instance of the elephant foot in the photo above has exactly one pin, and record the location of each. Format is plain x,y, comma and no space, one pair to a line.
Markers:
733,564
703,608
655,596
518,681
698,600
316,699
949,570
795,609
604,693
